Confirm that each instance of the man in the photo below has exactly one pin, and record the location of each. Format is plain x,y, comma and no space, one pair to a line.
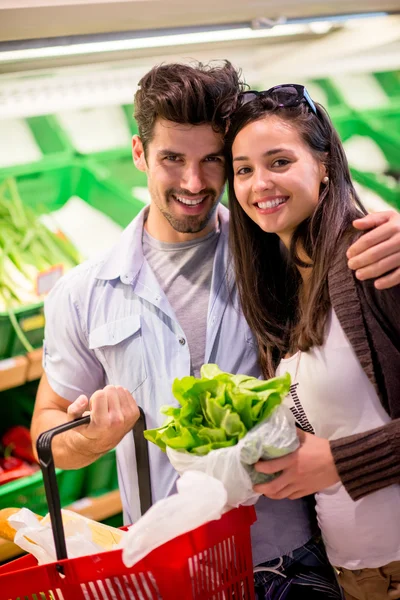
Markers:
160,304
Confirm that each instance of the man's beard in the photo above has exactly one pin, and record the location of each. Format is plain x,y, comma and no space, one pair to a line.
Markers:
189,223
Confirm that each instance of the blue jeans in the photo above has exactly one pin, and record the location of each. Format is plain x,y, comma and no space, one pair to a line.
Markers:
305,573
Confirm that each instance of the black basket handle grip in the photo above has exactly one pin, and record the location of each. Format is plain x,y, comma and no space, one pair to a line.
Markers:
46,462
142,463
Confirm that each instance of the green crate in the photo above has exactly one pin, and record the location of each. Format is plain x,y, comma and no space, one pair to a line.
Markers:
390,81
386,187
31,321
355,125
72,485
120,174
29,491
380,185
101,476
51,140
335,100
116,165
385,120
48,190
362,124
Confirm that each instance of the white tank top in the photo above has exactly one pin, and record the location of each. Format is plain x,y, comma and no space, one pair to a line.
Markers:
332,397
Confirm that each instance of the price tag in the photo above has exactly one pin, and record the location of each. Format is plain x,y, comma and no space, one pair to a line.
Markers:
7,363
45,280
32,323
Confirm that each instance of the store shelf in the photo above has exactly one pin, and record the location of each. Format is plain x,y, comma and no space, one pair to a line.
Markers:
99,508
18,370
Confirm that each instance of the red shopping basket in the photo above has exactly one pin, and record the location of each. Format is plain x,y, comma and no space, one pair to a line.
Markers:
212,562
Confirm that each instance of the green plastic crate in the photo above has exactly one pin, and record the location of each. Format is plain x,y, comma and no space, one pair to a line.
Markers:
73,485
386,187
29,491
390,81
334,97
51,140
31,321
48,190
116,165
120,174
380,185
101,476
385,120
356,125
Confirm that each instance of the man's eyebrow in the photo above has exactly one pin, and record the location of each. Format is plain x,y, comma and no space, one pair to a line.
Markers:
268,153
167,152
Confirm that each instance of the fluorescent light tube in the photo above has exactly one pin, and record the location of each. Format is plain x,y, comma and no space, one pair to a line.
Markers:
180,39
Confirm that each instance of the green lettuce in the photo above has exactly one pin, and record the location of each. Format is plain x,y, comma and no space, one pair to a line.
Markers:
217,410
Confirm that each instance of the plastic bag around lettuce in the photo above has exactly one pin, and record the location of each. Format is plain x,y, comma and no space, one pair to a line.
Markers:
233,466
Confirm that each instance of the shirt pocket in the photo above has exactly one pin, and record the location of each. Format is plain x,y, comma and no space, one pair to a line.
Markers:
119,347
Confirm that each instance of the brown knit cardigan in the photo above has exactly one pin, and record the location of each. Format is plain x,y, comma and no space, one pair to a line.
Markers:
369,461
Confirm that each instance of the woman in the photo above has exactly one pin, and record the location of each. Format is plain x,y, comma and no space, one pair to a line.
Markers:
292,206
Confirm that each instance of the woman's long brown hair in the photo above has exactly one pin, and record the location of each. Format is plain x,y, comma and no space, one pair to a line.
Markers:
269,282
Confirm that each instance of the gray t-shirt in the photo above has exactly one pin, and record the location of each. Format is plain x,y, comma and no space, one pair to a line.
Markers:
184,272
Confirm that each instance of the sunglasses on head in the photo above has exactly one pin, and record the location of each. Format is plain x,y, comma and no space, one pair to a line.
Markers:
286,95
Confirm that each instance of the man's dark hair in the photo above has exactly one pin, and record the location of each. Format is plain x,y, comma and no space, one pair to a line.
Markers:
186,94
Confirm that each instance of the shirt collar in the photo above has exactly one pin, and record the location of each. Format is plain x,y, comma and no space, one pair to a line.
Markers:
125,258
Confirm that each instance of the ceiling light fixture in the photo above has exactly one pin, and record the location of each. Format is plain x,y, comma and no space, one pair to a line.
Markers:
260,28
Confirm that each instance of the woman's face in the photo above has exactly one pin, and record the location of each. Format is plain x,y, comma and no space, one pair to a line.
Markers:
276,177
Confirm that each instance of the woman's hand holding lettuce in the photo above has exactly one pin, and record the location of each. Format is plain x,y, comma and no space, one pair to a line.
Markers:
224,425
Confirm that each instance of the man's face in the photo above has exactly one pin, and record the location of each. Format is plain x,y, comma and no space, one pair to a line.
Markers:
185,168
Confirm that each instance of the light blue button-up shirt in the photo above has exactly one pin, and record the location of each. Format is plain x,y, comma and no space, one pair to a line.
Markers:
109,322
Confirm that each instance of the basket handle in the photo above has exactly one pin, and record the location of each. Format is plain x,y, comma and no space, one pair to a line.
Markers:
142,463
46,462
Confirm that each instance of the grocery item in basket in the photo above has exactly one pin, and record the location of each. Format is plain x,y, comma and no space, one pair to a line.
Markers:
7,531
83,536
225,424
200,499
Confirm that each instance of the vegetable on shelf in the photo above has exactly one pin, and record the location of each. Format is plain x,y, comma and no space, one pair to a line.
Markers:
18,459
12,468
18,441
216,410
27,250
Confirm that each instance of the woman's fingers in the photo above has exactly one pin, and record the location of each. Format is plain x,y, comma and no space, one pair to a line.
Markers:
388,281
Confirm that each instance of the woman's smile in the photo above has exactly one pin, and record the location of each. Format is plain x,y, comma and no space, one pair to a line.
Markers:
270,204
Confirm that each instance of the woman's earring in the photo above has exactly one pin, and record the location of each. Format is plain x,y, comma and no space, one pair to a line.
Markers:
325,180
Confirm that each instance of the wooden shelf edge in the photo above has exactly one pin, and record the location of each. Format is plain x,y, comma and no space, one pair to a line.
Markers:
18,370
97,508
